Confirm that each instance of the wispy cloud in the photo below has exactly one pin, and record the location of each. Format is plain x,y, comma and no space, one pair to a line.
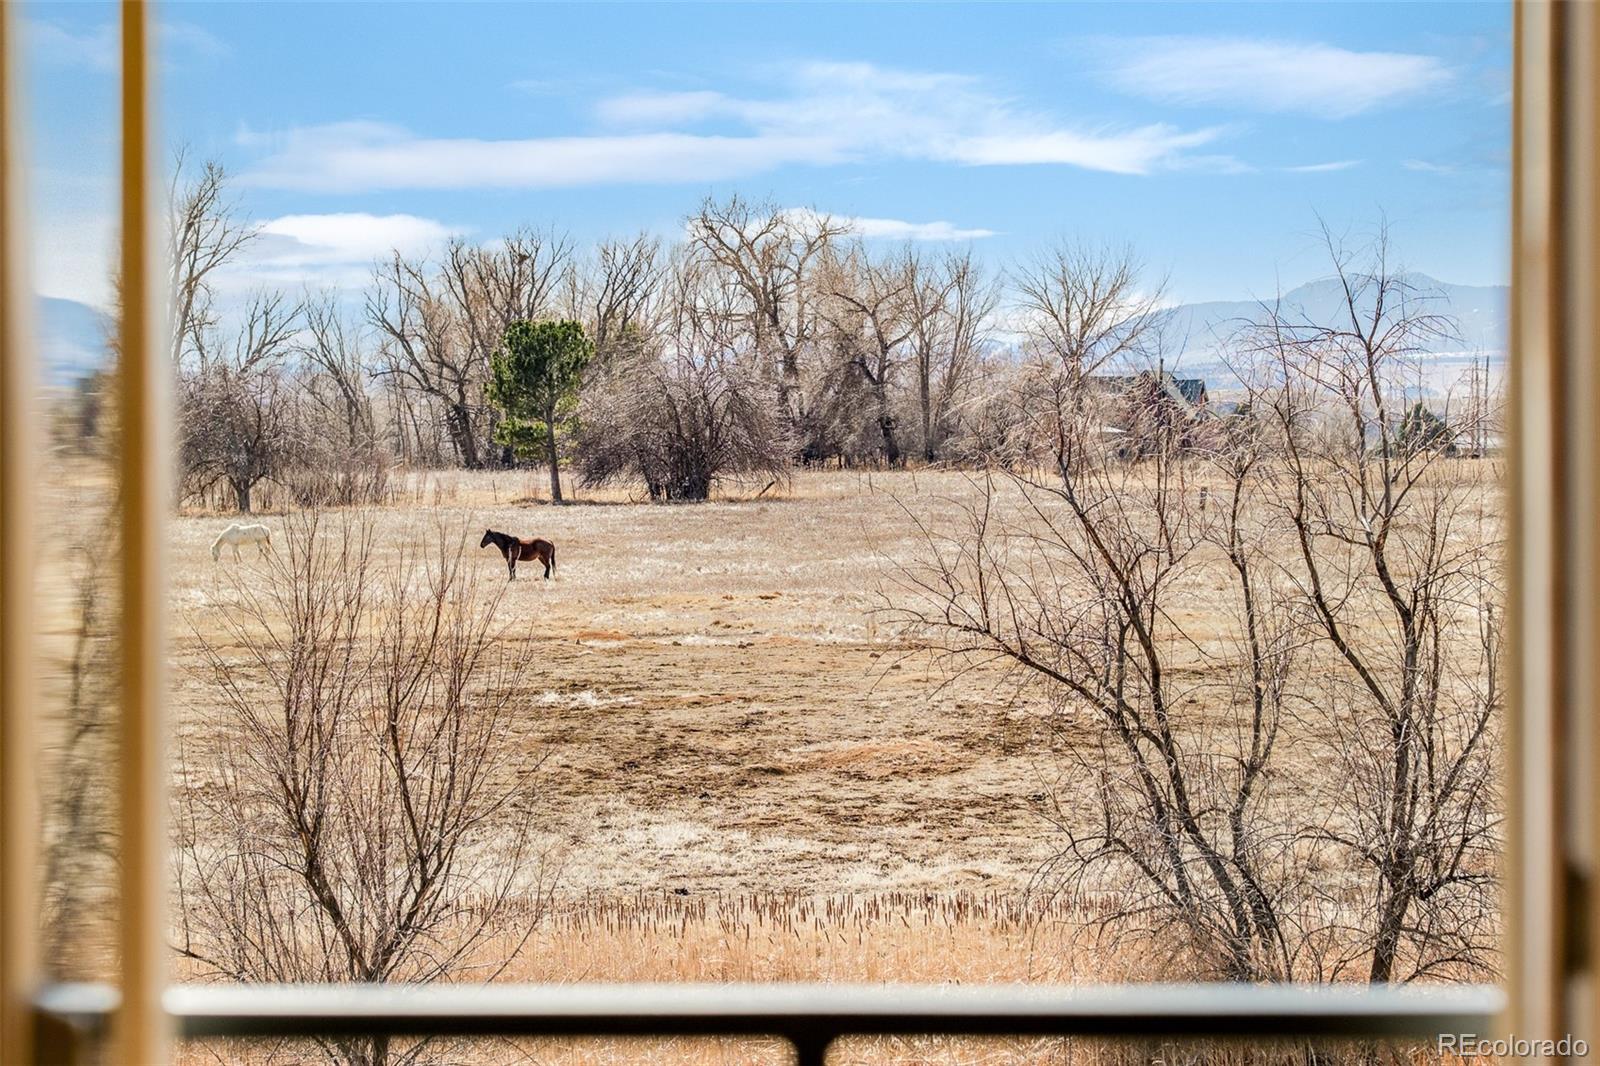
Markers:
1267,75
1324,168
896,229
354,157
1427,167
823,114
96,47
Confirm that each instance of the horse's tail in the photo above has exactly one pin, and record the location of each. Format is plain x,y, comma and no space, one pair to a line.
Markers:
552,556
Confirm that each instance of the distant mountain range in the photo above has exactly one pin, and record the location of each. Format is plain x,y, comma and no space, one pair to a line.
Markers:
72,339
1199,332
73,335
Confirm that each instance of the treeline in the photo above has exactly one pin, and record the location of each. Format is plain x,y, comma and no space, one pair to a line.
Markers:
763,339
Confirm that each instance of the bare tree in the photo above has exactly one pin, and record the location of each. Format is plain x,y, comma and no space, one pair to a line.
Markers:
441,323
367,813
204,233
869,309
1085,305
1397,567
768,256
334,349
1082,585
236,404
951,307
1359,562
424,351
683,416
622,293
1082,307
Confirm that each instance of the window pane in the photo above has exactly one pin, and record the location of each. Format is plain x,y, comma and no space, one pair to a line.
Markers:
1019,518
72,241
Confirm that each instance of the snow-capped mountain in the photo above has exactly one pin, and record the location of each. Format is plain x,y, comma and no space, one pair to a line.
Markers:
1199,333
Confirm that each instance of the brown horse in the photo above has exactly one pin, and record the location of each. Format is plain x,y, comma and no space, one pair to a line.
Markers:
515,549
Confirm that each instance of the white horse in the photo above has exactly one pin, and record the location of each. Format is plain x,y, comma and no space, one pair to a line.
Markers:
236,535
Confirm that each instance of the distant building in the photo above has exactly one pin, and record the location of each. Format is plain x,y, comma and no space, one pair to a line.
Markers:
1140,406
1188,394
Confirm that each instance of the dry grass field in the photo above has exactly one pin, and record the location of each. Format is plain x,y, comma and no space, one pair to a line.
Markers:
720,710
744,771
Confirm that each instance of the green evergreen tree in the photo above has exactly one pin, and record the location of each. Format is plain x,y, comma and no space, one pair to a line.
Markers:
1421,429
534,382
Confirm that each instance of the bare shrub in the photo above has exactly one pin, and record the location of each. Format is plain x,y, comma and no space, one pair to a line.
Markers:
1082,585
1361,580
683,417
236,406
366,811
1397,569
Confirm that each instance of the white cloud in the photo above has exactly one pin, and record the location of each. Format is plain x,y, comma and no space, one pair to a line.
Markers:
897,229
331,249
191,41
1323,168
1136,151
350,157
825,113
1426,167
51,43
97,47
1267,75
665,107
353,235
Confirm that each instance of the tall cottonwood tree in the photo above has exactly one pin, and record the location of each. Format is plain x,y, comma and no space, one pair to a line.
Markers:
768,258
205,232
868,306
423,350
952,305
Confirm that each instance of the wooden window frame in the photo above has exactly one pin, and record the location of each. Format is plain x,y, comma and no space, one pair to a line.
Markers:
1553,576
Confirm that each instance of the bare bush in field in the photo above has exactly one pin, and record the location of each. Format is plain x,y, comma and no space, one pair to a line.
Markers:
1362,599
361,810
686,411
1081,585
1397,575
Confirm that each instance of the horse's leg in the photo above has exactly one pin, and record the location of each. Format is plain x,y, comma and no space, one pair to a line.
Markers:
511,564
546,559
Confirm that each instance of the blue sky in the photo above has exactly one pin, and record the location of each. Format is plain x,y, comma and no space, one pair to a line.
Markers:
1208,136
